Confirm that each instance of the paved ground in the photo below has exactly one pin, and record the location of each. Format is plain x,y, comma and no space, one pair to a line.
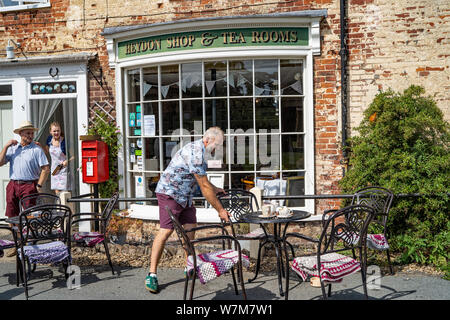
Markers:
97,283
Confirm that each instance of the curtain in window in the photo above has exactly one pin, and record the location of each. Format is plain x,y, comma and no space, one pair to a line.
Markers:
42,114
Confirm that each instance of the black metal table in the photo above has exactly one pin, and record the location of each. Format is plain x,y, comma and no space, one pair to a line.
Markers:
276,238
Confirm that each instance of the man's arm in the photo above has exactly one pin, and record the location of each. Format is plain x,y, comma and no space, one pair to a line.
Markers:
209,192
4,150
45,171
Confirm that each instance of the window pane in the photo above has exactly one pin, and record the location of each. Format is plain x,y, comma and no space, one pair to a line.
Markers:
266,113
293,152
292,114
216,113
134,85
150,119
134,119
5,90
150,84
241,114
242,153
291,77
151,154
151,180
135,154
192,116
295,185
191,80
169,82
216,79
170,117
268,152
170,147
266,77
241,78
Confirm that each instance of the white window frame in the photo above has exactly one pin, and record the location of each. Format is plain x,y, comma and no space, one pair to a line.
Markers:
209,215
25,5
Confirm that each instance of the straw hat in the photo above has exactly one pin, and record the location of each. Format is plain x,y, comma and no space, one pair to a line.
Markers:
26,125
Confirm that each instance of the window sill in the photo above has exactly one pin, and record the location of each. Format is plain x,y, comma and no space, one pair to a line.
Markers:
25,7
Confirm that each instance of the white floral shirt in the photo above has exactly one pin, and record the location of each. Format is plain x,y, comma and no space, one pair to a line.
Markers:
178,180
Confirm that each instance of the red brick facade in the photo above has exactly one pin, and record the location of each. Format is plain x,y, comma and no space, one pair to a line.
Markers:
392,44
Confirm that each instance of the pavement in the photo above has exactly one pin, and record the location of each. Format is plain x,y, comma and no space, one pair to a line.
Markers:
98,283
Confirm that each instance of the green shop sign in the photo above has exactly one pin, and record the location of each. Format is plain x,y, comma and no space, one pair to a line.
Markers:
226,38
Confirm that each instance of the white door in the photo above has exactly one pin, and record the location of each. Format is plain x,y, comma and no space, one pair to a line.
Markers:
6,134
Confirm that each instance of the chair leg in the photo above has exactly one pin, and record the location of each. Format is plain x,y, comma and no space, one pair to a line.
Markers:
389,262
258,261
234,281
329,290
108,256
186,282
322,286
24,277
191,295
241,275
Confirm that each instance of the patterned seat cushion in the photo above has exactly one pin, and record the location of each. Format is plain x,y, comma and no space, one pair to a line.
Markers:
47,253
377,242
255,234
212,265
5,244
334,267
89,238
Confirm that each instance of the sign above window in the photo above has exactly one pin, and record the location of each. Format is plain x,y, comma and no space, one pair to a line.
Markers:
54,87
224,38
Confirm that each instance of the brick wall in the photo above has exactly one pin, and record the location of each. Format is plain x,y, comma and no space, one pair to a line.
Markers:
392,44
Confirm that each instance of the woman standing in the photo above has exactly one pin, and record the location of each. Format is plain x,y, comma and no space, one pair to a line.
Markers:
56,147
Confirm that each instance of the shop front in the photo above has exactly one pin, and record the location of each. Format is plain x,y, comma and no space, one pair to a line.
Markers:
45,90
251,76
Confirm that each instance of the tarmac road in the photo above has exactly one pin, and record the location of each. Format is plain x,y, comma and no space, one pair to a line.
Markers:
98,283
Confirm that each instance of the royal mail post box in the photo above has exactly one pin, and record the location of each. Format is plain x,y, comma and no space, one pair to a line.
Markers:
95,167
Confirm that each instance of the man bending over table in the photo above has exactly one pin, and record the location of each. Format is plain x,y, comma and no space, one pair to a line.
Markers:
175,189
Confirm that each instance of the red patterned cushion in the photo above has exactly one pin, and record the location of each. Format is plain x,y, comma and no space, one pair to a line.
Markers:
212,265
90,238
377,242
334,267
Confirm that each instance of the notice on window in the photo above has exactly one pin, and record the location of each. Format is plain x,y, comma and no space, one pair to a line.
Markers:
149,125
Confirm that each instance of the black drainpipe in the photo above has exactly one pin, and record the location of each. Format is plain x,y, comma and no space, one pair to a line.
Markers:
344,77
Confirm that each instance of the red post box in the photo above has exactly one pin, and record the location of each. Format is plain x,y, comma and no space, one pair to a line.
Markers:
95,161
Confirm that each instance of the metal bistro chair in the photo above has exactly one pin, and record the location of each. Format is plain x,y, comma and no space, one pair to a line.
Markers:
8,244
380,199
45,227
239,202
208,266
91,239
37,199
349,226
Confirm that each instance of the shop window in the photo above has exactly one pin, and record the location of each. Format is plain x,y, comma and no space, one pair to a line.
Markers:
10,5
258,103
5,90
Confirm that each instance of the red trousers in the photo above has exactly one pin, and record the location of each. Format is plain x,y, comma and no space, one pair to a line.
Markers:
16,191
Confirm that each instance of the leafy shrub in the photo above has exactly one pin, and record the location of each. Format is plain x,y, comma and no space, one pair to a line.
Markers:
403,145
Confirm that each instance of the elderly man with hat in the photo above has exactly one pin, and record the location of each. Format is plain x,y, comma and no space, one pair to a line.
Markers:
28,169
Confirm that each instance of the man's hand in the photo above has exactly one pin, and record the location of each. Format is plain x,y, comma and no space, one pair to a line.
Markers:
224,215
219,191
11,142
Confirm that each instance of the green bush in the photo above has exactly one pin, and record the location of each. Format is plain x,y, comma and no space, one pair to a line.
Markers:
110,134
403,145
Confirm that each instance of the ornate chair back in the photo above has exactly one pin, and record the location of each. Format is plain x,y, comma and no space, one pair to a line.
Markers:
38,199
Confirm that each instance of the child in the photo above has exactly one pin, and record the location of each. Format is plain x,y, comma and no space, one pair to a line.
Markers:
56,147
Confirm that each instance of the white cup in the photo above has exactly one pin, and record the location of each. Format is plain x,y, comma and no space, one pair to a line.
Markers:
266,210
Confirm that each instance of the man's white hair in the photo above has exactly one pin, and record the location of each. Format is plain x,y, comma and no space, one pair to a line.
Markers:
213,133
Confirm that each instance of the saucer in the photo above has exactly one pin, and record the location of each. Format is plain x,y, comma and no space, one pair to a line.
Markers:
266,217
285,216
